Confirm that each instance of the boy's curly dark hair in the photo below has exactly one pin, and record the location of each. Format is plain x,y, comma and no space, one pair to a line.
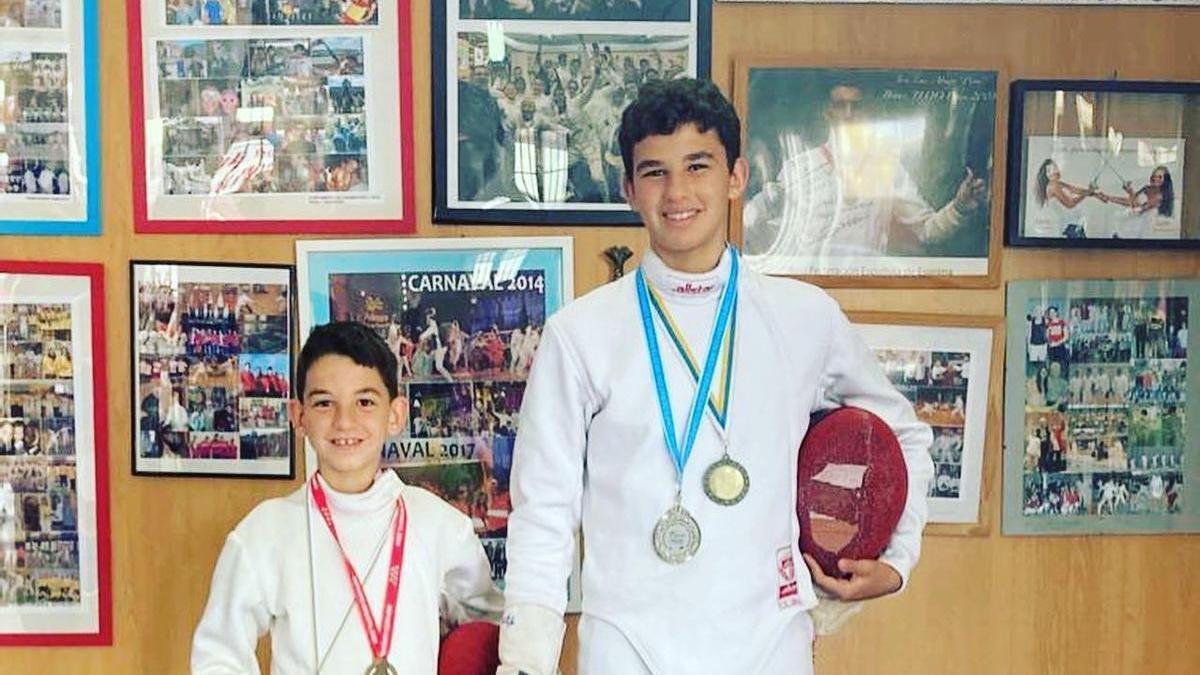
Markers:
662,106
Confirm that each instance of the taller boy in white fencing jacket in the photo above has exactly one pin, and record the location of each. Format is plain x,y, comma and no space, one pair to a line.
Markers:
687,571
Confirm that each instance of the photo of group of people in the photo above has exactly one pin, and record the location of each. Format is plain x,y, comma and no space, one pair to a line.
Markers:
213,373
465,345
31,13
1105,399
35,139
539,124
574,10
37,342
271,12
279,115
1115,187
936,382
39,537
39,554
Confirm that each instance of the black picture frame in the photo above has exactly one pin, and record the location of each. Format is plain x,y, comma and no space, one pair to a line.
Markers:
1123,138
487,204
180,353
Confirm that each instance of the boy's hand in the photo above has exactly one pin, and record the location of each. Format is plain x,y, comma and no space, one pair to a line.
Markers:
868,579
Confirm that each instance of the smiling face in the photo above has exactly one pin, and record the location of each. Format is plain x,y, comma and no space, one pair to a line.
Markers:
681,187
346,414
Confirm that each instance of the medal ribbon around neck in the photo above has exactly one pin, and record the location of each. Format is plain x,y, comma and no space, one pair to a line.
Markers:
379,635
718,402
722,326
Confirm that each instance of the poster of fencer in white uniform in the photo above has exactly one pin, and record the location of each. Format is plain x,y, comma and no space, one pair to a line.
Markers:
1113,187
464,324
859,172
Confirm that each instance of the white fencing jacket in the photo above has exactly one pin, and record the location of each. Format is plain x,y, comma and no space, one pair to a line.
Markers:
591,451
264,580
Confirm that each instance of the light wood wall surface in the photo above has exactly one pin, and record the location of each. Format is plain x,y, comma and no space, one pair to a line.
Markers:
981,604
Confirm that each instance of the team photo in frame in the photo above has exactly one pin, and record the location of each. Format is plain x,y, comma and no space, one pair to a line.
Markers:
867,175
272,116
1156,3
49,118
464,318
212,362
1100,410
55,583
1103,164
949,367
527,103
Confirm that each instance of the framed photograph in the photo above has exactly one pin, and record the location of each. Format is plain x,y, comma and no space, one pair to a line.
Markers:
55,574
1104,164
49,118
976,2
212,365
528,100
878,176
272,116
464,318
944,365
1101,418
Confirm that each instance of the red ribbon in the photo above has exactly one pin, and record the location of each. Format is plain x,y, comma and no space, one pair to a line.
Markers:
380,639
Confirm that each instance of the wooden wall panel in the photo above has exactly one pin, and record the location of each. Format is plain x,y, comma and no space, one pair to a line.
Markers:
976,604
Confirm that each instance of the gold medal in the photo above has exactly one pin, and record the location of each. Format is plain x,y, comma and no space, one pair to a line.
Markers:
381,667
726,482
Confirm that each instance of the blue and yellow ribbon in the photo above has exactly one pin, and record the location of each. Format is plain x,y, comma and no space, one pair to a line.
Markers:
722,336
718,402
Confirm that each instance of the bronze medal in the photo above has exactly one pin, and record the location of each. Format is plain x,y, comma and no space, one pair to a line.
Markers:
381,667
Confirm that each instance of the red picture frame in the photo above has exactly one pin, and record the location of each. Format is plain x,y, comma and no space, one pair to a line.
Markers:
97,614
391,223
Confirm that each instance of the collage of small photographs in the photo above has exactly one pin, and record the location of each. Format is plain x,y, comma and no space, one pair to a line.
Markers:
464,357
1105,399
263,115
539,124
34,130
936,383
213,370
39,537
271,12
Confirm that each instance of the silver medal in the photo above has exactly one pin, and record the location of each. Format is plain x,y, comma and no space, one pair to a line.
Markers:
676,536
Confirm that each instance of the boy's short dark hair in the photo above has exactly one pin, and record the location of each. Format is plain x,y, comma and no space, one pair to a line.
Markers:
662,106
356,342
